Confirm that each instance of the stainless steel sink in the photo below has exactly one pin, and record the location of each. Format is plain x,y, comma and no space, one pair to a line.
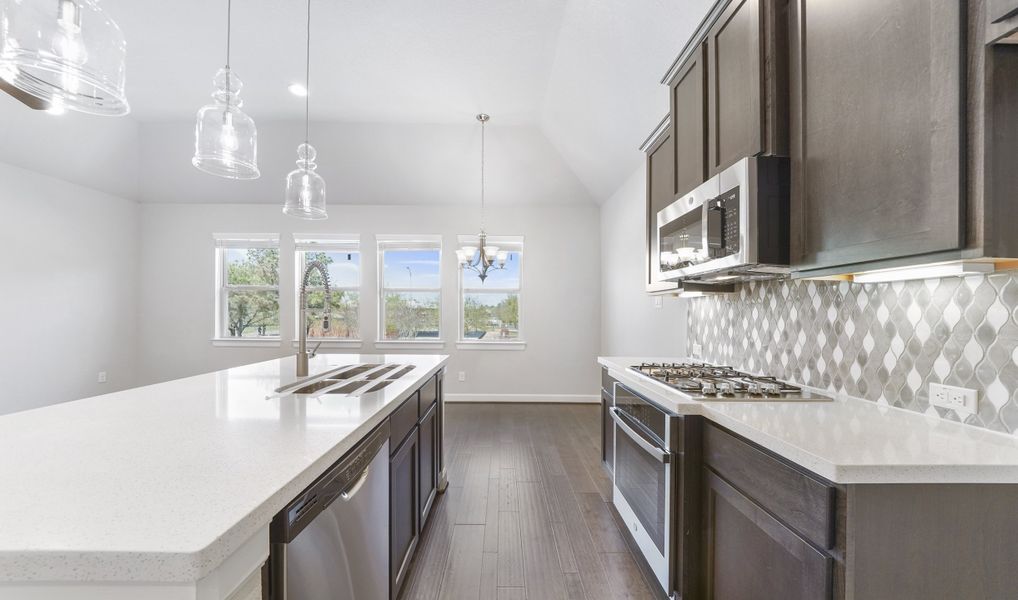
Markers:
351,379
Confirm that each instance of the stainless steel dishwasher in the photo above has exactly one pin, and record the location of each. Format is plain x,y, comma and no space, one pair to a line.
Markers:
332,541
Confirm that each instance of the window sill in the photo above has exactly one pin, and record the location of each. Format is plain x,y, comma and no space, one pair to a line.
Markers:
327,344
500,345
422,344
246,342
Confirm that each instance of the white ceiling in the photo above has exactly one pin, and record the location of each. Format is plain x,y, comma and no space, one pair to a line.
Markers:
574,82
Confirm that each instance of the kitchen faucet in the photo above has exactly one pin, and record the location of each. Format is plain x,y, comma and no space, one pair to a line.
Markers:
302,346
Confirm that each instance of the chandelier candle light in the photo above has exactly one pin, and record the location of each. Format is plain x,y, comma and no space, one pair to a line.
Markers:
225,138
482,257
66,53
305,189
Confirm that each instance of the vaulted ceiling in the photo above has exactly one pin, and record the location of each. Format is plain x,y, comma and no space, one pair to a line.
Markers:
572,85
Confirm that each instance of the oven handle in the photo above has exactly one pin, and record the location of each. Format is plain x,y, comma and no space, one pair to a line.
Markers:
641,441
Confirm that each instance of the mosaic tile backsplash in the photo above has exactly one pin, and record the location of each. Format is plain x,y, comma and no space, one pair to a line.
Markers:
882,342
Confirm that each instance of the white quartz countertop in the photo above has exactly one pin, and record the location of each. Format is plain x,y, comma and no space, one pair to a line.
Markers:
848,440
162,483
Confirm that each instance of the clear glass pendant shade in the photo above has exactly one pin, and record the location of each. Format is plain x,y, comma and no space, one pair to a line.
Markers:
225,138
67,53
305,189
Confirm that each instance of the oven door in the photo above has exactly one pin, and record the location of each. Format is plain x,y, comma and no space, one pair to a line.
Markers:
642,489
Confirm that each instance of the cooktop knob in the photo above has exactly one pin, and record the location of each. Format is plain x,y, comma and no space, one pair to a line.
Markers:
708,389
753,387
772,389
725,388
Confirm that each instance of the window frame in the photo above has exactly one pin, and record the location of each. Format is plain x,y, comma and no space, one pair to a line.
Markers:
406,243
229,241
512,243
348,243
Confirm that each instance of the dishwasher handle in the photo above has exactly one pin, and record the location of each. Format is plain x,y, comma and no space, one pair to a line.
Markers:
348,494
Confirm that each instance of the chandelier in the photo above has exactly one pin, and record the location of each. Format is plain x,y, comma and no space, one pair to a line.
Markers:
482,257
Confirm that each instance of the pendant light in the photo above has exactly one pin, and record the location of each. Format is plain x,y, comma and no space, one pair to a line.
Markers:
482,257
67,53
225,138
305,189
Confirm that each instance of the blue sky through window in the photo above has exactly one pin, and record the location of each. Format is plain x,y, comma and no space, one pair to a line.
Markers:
411,269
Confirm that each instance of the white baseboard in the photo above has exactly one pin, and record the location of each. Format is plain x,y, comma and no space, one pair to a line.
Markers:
529,398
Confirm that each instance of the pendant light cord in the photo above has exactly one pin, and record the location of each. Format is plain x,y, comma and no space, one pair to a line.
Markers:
307,82
229,22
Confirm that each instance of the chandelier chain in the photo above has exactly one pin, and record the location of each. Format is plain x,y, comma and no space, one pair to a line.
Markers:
482,175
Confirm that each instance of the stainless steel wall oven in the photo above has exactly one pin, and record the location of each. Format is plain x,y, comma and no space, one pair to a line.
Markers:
656,467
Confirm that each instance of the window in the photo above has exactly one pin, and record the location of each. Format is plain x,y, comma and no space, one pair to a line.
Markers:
247,287
490,309
342,259
410,288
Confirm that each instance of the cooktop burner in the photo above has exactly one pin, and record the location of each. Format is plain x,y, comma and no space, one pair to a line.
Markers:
712,382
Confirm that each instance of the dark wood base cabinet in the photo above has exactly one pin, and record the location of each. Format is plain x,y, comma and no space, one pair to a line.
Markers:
415,466
774,531
750,555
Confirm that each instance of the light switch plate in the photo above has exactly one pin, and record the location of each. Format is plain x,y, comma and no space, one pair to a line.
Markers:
462,376
957,398
658,302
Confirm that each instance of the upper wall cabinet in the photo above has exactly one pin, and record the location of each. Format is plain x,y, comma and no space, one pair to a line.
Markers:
688,136
729,92
878,153
660,193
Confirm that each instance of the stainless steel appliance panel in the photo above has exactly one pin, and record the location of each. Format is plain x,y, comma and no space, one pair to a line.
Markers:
333,541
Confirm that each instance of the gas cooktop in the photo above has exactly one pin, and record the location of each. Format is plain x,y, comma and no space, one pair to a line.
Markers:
700,381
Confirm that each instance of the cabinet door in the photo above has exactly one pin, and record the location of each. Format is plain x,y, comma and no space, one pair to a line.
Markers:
689,123
660,193
877,145
428,462
607,433
735,117
404,520
752,556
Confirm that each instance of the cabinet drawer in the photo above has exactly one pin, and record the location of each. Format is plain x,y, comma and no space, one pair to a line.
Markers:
802,501
428,395
402,421
607,382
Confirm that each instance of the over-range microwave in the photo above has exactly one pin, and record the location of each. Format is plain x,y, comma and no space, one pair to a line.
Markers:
733,227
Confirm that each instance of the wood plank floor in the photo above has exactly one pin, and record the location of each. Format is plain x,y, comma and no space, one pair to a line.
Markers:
525,515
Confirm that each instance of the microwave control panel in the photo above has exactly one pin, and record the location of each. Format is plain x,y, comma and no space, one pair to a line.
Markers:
723,224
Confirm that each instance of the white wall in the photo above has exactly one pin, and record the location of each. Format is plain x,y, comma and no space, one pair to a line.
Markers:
69,271
630,323
560,305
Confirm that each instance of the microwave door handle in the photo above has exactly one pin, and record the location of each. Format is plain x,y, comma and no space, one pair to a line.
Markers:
641,441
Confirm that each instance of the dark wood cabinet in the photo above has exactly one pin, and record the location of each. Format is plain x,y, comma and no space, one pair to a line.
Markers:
735,118
607,433
688,135
404,517
415,473
428,462
877,146
660,193
750,555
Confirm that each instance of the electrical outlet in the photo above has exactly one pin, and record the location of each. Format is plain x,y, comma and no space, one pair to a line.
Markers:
102,377
463,376
658,302
956,398
697,350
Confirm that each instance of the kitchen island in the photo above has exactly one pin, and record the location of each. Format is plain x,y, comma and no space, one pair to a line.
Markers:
167,491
